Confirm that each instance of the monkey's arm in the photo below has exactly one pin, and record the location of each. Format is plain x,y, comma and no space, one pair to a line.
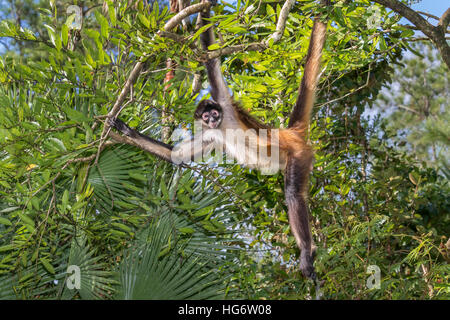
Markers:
219,89
187,150
155,147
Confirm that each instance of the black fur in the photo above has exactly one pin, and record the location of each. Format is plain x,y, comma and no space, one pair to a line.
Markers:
296,184
126,130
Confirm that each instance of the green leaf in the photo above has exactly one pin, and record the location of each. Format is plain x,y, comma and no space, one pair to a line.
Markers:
51,33
65,199
383,45
271,12
332,188
76,115
186,230
70,20
90,61
7,248
164,190
58,43
339,16
122,226
407,33
137,176
65,34
414,177
5,221
56,144
25,219
47,265
104,26
112,12
214,46
10,209
143,19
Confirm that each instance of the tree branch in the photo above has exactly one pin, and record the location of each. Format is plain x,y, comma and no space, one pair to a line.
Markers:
445,20
415,28
173,22
409,14
178,18
255,46
117,105
351,92
428,15
135,142
126,88
281,24
422,39
258,46
408,109
436,34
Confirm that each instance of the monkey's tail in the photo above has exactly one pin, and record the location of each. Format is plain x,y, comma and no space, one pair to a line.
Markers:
302,110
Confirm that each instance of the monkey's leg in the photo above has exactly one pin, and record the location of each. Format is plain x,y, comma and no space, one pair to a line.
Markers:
296,186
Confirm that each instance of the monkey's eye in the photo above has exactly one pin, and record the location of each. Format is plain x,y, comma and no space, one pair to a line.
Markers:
215,113
205,116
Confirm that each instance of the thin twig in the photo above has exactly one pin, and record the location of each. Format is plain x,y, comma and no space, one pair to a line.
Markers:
350,93
422,39
428,15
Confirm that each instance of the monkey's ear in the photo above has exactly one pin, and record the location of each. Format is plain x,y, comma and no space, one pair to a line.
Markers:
216,106
201,108
199,111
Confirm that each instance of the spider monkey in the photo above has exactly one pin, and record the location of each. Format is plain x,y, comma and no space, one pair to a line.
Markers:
223,113
210,113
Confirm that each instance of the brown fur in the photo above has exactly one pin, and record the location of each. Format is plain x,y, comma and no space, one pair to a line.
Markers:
247,120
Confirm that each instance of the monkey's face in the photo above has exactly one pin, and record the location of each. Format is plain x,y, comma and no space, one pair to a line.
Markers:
211,118
210,113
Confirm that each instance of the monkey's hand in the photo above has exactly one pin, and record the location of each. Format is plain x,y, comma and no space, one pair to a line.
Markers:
122,127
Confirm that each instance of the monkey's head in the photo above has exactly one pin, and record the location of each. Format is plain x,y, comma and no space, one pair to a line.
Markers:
210,113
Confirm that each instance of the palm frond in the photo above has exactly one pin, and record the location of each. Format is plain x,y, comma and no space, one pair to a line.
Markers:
158,269
95,279
111,177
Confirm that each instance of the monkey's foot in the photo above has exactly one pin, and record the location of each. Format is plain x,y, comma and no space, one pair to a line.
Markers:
306,265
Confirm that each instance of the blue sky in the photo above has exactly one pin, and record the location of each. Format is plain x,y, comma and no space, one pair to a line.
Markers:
436,7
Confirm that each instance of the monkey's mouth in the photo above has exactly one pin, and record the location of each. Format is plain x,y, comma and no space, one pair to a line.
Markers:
214,124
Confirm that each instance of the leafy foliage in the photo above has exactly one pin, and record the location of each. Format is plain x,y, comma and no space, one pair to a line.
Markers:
139,228
158,267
